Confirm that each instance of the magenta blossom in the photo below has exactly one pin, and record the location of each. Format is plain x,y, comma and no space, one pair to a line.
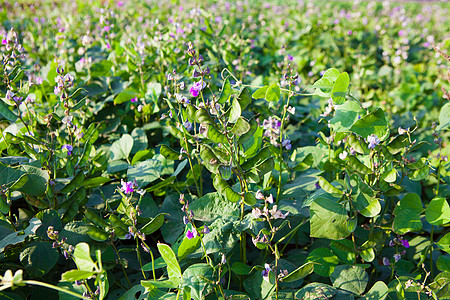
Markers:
127,187
134,100
405,243
196,88
191,234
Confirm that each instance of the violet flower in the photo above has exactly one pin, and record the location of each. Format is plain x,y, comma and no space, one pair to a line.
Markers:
69,149
373,141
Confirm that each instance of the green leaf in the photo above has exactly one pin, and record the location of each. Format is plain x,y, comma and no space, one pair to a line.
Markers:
316,290
340,88
240,268
7,113
344,250
329,219
19,183
39,258
235,111
345,116
444,117
443,263
300,273
438,212
19,236
444,243
379,291
407,214
325,261
419,174
226,91
327,81
368,206
75,275
352,279
126,95
145,172
121,148
373,123
212,206
198,277
244,98
95,182
240,127
153,225
173,268
260,93
76,182
188,246
82,257
273,92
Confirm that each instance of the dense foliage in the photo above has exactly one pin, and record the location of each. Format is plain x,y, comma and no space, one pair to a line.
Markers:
224,150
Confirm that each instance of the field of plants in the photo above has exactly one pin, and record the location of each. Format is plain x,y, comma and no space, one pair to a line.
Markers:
224,150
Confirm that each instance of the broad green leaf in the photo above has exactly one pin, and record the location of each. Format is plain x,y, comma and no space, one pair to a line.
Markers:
244,98
352,279
444,243
438,212
443,263
212,206
197,277
345,116
121,148
235,111
420,174
329,219
188,246
407,214
300,273
241,268
240,127
20,236
316,290
82,257
39,258
226,91
145,172
6,113
173,268
367,206
140,141
340,88
325,261
378,291
344,249
444,117
273,93
260,93
373,123
327,81
75,275
126,95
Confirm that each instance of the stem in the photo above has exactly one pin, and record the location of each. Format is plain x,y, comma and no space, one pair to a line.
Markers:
120,261
57,288
153,259
139,258
431,251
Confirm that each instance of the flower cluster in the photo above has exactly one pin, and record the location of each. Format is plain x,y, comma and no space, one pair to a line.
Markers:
62,82
373,141
273,213
398,241
189,218
272,130
54,235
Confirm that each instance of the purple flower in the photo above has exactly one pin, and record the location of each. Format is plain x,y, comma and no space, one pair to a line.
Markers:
106,28
259,195
386,261
349,32
391,243
185,220
190,234
128,236
18,100
134,100
127,187
405,243
373,141
266,271
310,73
69,149
290,57
286,143
196,88
397,257
401,33
39,80
205,230
187,125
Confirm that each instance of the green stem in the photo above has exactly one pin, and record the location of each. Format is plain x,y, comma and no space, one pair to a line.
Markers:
153,259
431,251
121,265
57,288
140,258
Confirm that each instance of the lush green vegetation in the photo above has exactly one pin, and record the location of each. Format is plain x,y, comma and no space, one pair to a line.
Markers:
224,150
